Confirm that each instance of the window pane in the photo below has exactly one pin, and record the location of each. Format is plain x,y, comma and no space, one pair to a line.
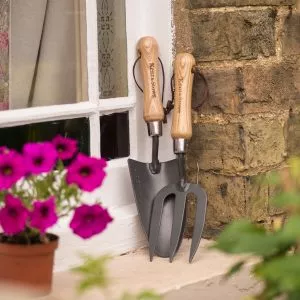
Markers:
112,43
115,136
16,137
47,46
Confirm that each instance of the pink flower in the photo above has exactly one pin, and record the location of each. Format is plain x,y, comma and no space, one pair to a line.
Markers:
86,172
40,157
89,220
12,168
13,216
4,150
65,147
43,215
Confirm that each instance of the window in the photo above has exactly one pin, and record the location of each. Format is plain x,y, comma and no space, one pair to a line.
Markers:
15,137
70,72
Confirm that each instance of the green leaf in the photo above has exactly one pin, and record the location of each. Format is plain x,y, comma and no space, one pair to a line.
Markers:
127,296
144,295
244,237
60,166
148,295
287,199
282,272
271,178
234,269
90,282
293,295
290,230
93,272
2,196
270,292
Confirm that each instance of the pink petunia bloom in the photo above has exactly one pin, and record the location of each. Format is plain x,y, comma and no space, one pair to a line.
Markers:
43,215
86,172
12,169
89,220
65,147
13,216
40,157
3,150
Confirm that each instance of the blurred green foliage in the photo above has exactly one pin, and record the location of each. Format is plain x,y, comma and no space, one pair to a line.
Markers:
145,295
278,264
94,274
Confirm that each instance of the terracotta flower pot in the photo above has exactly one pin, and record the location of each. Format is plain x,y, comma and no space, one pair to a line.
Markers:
30,266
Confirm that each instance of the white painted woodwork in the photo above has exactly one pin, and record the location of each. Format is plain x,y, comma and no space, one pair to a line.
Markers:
142,19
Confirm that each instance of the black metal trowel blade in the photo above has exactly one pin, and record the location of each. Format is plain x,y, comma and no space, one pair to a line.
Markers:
146,185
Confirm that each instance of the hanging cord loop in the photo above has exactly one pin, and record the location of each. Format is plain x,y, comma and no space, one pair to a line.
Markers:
170,105
133,71
200,93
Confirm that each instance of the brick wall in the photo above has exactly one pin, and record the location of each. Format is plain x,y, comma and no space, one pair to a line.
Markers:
249,53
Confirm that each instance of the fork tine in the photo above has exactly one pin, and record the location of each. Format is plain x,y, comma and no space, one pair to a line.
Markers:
179,211
155,223
199,219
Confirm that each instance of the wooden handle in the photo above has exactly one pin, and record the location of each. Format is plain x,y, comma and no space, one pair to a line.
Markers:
153,108
182,114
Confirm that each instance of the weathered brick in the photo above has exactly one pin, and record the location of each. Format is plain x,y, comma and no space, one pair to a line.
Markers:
293,135
224,88
233,35
291,35
219,3
272,209
259,195
270,85
216,147
226,199
231,198
182,29
257,198
250,89
240,132
296,80
264,142
252,144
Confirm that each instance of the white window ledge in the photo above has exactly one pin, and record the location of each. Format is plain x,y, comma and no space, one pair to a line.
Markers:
180,280
122,235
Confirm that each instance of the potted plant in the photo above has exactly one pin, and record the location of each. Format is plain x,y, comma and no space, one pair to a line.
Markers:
36,190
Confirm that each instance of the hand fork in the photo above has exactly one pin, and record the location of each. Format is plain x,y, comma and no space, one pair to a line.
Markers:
181,132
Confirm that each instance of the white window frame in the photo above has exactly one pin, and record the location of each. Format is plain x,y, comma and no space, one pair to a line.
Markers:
143,18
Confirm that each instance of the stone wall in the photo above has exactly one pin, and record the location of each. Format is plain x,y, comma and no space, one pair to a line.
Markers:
249,53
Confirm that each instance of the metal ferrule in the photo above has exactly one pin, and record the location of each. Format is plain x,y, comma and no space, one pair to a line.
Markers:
179,146
154,128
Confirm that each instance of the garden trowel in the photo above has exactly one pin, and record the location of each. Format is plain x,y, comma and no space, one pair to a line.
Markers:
148,178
